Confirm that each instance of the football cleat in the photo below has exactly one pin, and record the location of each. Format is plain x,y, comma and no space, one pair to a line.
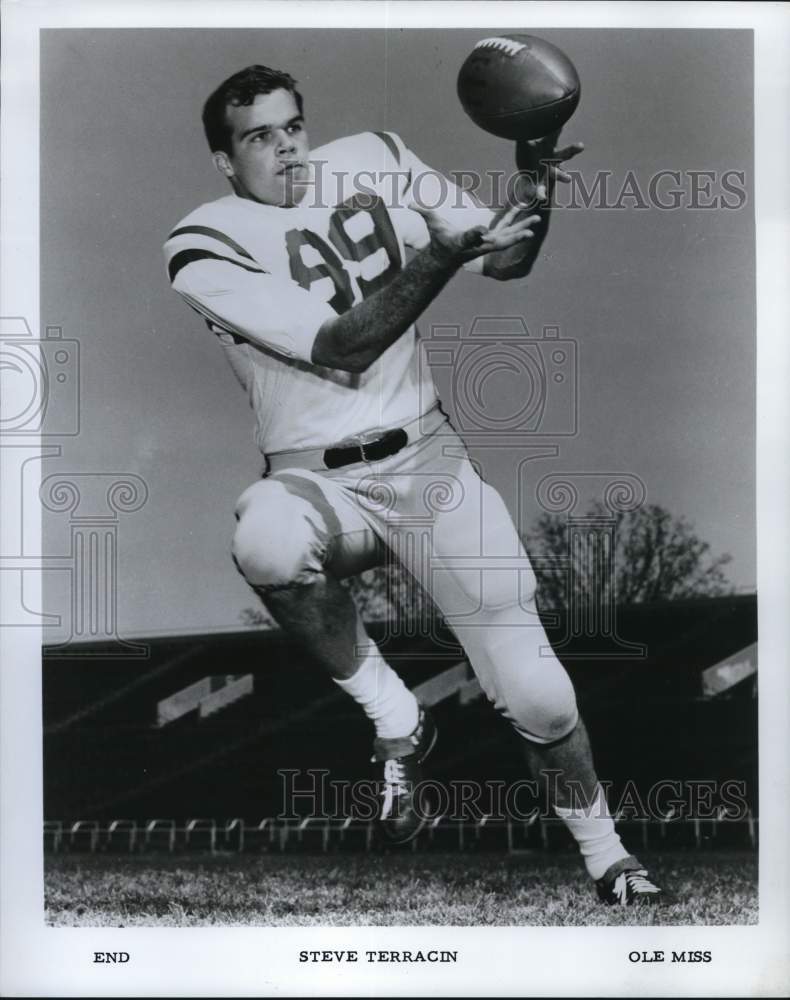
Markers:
626,883
400,819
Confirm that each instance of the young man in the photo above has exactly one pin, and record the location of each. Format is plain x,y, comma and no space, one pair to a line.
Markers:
302,274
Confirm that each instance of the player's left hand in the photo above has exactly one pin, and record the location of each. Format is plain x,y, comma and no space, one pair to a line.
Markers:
461,245
539,161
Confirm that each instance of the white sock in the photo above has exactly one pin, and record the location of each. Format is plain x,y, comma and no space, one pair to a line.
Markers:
387,701
594,832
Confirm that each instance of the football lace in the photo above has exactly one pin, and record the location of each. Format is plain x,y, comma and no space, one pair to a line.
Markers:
506,45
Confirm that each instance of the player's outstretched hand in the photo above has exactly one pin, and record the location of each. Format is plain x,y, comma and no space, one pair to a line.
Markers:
465,244
539,160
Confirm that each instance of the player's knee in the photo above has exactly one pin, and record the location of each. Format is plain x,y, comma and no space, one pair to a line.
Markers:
492,589
545,710
274,544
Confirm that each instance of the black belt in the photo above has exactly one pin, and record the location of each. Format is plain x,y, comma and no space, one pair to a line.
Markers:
388,444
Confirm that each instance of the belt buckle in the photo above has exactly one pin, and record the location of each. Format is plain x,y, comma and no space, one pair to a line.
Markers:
376,442
364,445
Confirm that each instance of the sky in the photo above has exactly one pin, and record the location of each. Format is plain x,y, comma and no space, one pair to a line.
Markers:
660,304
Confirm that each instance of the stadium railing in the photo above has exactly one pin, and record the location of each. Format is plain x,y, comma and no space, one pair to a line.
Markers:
195,827
320,834
123,827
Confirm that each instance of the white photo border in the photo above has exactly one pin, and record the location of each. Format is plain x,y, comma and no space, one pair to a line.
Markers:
40,960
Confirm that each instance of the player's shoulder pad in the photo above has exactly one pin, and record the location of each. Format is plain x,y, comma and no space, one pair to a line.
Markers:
210,232
364,151
377,158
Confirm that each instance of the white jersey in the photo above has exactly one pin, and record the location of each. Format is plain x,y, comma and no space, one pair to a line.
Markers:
266,278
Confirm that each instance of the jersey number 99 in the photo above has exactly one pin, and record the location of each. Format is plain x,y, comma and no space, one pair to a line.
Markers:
348,248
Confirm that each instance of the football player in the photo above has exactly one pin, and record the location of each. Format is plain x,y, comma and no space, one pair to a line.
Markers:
311,272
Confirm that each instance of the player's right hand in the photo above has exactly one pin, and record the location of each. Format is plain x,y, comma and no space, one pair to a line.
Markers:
538,161
460,245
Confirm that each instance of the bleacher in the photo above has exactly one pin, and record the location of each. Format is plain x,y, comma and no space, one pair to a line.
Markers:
108,754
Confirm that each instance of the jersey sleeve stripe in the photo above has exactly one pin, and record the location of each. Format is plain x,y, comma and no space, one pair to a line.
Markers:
184,257
215,234
389,142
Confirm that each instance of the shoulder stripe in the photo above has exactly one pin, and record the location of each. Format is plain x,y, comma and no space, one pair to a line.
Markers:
180,260
216,234
389,142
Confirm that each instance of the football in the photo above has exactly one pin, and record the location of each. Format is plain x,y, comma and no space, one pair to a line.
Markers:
518,86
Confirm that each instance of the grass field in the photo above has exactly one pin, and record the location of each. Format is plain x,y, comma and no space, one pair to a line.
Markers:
192,890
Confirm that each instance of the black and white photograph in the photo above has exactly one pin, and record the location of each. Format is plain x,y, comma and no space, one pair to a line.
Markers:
393,403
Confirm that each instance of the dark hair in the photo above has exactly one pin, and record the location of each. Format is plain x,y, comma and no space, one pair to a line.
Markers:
240,89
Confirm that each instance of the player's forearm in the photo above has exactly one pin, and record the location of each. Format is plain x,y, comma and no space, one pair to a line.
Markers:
356,338
517,261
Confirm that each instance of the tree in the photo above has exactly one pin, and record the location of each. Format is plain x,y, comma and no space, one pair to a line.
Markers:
623,557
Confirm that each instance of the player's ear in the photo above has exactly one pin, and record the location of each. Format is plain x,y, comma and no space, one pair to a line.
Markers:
223,164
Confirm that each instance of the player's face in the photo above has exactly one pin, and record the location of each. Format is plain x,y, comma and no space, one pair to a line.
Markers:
268,162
